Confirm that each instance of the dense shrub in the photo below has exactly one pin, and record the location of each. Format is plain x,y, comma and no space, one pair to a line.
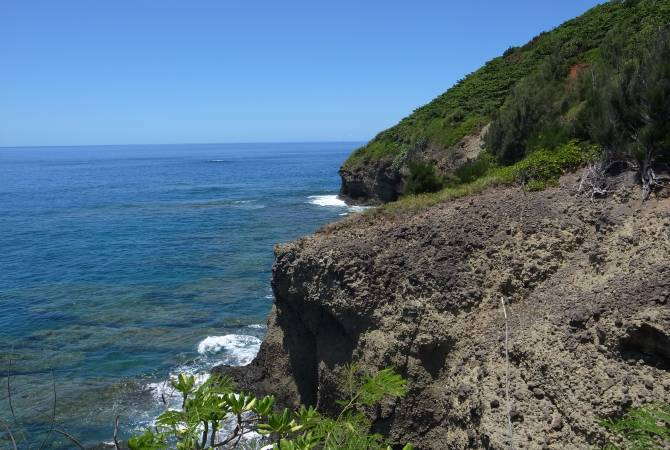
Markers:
422,178
544,167
472,170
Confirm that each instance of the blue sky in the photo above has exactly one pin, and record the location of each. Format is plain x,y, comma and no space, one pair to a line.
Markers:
164,71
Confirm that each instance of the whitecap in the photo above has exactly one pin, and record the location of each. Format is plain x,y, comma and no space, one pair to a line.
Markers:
230,349
256,326
327,200
336,202
239,349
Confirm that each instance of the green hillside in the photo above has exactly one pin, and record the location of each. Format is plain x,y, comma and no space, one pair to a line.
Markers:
537,96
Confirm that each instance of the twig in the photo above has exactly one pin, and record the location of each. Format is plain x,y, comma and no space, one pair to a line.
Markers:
11,436
205,432
509,405
116,431
53,415
9,389
70,438
215,426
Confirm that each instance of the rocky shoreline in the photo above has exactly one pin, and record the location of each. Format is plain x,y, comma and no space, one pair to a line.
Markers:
587,284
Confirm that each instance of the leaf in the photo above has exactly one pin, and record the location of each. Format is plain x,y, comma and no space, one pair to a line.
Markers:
147,441
385,383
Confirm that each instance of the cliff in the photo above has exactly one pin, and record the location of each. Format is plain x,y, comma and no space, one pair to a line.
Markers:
586,283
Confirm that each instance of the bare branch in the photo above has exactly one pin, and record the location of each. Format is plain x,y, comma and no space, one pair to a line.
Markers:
9,388
116,431
594,180
53,415
70,438
11,436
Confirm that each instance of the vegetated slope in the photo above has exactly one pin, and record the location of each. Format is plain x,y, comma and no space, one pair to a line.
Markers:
536,97
586,285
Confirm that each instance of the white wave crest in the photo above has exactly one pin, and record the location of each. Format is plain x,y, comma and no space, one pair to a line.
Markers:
239,349
326,200
334,201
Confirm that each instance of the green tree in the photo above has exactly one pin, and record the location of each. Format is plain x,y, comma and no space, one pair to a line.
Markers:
629,113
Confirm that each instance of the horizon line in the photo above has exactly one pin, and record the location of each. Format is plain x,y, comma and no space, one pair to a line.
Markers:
183,143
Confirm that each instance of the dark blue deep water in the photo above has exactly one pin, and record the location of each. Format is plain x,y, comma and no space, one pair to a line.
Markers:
120,265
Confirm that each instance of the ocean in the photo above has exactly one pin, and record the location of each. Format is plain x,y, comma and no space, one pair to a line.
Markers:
121,265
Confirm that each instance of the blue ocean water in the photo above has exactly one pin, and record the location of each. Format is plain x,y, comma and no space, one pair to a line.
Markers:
122,264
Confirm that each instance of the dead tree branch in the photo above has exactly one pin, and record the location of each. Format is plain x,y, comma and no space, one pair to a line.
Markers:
116,432
53,415
70,438
594,180
9,433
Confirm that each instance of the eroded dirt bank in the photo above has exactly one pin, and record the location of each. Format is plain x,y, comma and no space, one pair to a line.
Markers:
587,285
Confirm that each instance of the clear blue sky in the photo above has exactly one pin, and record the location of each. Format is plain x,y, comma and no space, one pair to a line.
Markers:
166,71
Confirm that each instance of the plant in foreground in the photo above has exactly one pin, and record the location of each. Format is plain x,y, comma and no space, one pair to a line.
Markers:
214,416
641,428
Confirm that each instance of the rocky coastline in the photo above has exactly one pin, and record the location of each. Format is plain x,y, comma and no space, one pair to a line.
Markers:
586,284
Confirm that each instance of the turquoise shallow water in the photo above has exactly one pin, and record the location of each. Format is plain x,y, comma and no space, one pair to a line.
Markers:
120,265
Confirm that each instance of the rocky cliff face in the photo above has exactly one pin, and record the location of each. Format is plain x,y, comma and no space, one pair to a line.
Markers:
586,284
383,180
371,183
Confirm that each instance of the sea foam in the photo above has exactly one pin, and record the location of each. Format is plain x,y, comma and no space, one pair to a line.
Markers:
333,200
239,349
326,200
230,349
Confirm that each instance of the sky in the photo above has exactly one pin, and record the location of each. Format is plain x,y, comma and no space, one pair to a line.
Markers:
82,72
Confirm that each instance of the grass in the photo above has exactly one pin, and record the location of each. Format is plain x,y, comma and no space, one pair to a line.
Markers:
422,201
641,428
536,171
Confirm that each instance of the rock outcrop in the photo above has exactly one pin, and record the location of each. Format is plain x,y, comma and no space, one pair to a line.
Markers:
586,284
383,180
375,182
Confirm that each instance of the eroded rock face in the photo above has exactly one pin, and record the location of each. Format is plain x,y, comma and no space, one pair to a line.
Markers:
371,183
586,284
381,181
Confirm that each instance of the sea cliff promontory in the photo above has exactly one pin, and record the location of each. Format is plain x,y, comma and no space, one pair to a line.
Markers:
517,273
586,287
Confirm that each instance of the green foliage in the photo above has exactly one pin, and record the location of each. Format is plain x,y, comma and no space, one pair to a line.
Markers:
641,428
531,82
148,441
207,408
539,169
472,170
543,167
536,171
423,178
628,110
